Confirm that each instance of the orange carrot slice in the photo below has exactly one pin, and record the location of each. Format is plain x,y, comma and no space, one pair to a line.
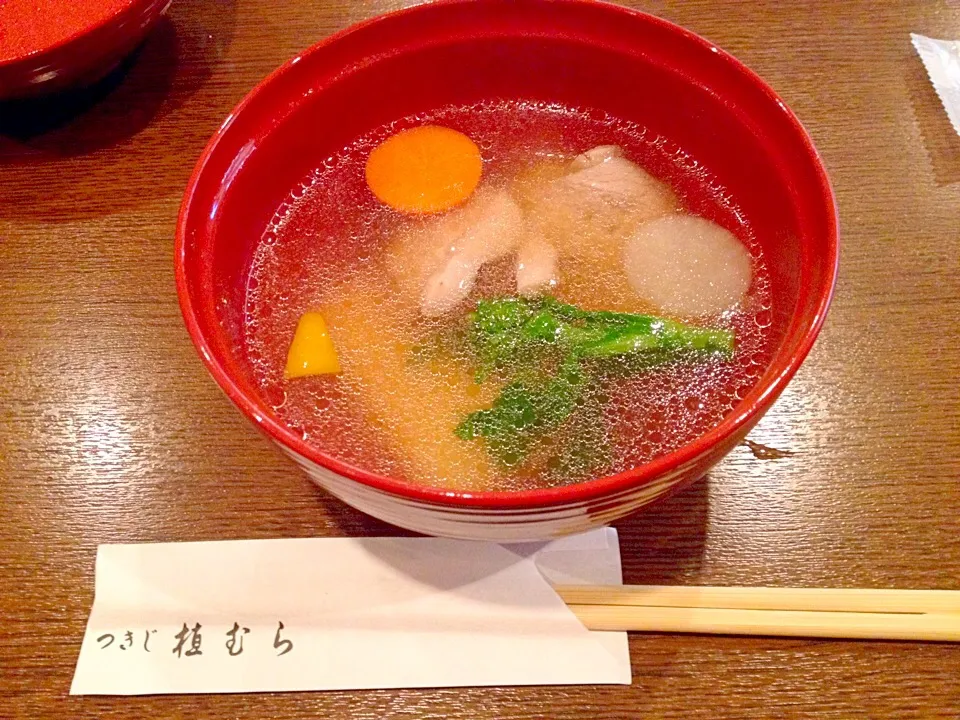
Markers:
425,169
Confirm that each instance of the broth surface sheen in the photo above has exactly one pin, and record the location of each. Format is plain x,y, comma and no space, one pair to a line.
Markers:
332,247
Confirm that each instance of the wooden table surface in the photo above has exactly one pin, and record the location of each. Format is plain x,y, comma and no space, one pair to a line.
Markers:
112,431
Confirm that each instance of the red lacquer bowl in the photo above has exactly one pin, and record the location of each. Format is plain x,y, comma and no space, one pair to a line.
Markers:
575,52
89,50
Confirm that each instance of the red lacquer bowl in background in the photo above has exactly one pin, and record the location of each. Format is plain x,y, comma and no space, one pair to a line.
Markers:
575,52
80,58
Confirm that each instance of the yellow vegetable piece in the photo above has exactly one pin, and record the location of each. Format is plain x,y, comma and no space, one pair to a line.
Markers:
312,351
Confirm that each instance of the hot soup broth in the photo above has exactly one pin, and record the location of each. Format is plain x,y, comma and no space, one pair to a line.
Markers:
552,314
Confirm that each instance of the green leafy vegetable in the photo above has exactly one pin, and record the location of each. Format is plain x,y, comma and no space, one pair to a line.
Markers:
525,411
506,331
525,339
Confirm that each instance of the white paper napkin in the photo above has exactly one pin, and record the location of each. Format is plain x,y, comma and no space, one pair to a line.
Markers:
344,613
942,61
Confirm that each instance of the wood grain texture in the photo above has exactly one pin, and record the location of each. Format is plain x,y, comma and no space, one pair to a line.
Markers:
111,431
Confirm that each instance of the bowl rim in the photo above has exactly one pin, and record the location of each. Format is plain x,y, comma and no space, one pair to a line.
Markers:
760,395
131,6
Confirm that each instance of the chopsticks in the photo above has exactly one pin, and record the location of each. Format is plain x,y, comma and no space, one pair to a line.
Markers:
926,615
